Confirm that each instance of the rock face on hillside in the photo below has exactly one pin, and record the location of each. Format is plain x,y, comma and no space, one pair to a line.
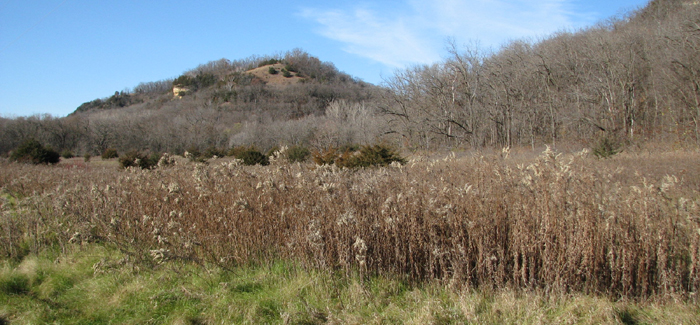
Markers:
180,91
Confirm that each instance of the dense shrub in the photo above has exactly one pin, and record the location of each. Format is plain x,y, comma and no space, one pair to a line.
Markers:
237,150
130,159
201,80
137,159
268,62
353,156
326,156
350,147
606,148
193,154
286,73
110,153
298,154
204,80
119,99
213,151
334,155
252,156
67,154
272,70
32,151
183,81
367,156
87,157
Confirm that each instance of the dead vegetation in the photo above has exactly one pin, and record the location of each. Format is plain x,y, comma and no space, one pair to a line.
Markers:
621,227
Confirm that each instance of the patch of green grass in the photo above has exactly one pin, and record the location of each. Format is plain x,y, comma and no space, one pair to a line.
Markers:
14,284
93,284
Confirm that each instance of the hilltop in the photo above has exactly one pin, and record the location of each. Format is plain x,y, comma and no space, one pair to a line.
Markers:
233,84
278,78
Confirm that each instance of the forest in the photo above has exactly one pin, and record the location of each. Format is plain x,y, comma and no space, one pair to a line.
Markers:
629,80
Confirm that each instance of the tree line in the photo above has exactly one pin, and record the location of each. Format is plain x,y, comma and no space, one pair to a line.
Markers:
630,78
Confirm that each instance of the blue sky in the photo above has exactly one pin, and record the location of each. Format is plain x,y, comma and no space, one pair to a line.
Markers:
58,54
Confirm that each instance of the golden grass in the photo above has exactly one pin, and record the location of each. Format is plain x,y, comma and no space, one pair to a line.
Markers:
275,79
627,227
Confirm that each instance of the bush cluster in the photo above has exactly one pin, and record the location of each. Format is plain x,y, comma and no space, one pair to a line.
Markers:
138,159
370,156
348,156
606,148
356,157
248,155
236,150
290,68
32,151
326,156
110,153
194,154
298,154
212,151
201,80
67,154
268,62
251,156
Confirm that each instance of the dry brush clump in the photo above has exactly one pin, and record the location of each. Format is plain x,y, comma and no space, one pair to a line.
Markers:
559,223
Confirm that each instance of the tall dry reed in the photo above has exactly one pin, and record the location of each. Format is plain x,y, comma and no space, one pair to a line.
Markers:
558,223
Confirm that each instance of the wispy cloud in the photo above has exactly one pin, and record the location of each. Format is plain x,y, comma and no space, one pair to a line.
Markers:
395,42
416,35
495,21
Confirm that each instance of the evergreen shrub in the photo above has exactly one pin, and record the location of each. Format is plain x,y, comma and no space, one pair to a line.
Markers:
252,156
110,153
135,158
32,151
298,154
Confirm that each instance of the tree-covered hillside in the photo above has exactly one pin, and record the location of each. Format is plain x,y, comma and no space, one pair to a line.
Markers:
632,78
235,84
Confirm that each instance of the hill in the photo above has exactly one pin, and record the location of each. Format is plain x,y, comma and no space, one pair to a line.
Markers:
225,103
223,81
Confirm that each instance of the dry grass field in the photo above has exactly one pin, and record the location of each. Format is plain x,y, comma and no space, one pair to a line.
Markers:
557,224
627,226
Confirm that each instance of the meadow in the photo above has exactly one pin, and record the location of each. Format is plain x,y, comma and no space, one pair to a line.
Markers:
470,237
